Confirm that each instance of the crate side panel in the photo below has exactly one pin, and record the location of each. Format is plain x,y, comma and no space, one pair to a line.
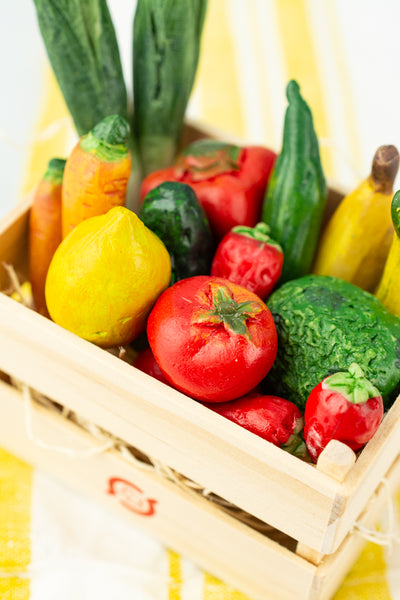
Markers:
182,520
374,461
237,465
334,568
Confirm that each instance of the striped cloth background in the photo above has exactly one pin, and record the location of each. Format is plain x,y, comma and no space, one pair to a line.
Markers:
344,53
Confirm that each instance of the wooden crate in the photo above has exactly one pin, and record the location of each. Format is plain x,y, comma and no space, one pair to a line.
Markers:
313,509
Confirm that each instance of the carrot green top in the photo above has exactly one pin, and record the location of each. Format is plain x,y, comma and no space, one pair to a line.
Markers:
108,139
55,171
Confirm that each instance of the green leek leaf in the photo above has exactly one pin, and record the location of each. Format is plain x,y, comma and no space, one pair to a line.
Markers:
81,44
166,46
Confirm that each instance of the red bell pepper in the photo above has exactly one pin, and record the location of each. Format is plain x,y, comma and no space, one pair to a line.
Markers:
249,257
274,419
229,181
345,406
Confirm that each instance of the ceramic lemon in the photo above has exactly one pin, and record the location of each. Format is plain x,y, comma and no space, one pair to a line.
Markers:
105,277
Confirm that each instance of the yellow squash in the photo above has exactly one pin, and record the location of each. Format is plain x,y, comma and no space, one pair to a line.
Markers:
105,277
356,241
388,291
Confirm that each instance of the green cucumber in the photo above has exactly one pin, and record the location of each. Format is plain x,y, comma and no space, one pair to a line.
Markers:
173,212
296,194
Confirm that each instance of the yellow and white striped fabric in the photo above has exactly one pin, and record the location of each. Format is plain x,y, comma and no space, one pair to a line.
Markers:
344,54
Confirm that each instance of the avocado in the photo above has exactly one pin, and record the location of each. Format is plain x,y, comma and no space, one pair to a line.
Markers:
324,325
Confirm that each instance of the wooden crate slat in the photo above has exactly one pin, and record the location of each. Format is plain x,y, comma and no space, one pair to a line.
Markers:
165,424
190,524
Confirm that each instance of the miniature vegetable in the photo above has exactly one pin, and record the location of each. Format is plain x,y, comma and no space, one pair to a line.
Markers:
296,194
105,277
356,241
324,325
249,257
229,181
81,44
173,212
345,407
388,291
213,340
97,173
146,362
45,229
274,419
166,46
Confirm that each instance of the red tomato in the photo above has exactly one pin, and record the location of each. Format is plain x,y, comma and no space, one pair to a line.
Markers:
146,362
213,340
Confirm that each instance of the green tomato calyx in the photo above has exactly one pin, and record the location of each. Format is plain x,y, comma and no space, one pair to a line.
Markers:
227,311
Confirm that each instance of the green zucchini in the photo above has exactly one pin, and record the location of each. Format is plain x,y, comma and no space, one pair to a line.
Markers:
296,194
80,40
173,212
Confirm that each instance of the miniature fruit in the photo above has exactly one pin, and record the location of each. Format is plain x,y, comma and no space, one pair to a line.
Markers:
324,325
45,229
229,181
296,195
213,340
274,419
105,276
356,241
174,213
388,291
345,407
96,173
249,257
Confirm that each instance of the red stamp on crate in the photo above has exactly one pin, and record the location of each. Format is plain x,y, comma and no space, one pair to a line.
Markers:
131,497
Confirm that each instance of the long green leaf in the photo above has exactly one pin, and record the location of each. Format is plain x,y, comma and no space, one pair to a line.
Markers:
82,47
166,46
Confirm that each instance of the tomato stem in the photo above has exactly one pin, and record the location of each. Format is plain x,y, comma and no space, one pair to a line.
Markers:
233,315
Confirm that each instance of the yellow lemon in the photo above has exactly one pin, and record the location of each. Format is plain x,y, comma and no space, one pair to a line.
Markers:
105,277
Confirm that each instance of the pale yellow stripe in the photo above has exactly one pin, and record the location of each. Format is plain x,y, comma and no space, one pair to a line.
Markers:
367,579
265,89
217,86
15,511
336,39
301,64
175,576
215,589
51,134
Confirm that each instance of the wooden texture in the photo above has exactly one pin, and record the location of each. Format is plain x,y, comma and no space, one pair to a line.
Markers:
221,456
183,520
317,506
294,497
336,460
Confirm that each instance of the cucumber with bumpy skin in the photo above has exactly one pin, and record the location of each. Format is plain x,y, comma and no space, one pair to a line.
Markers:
296,193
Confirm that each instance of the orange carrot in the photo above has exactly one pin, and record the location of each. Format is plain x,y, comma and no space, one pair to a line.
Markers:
97,173
45,229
